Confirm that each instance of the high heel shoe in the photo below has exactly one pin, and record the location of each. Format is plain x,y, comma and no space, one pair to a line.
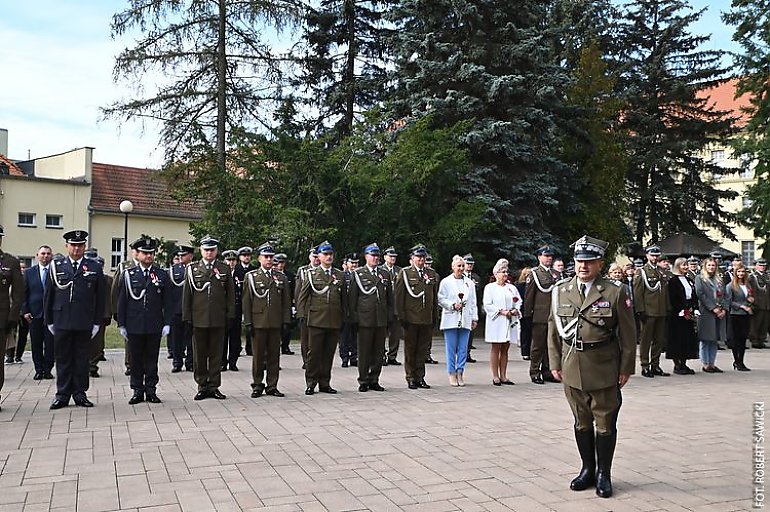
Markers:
741,367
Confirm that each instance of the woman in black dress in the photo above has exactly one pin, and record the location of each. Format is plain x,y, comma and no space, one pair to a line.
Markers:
682,338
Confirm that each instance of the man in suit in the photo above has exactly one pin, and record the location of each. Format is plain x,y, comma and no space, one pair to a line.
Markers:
41,339
537,306
11,295
348,334
592,349
313,262
181,332
232,342
208,304
279,263
266,308
395,331
144,317
760,319
323,303
74,311
416,299
651,304
371,306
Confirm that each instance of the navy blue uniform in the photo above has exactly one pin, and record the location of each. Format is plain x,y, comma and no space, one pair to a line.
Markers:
144,307
74,303
181,333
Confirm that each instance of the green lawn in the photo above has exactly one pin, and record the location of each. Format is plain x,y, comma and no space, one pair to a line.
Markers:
113,339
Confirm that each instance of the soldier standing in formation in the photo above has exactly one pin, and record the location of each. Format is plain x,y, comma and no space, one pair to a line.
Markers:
74,311
473,276
243,267
266,308
537,306
371,306
416,306
11,296
693,268
323,303
208,301
97,345
313,262
395,331
144,317
760,319
114,300
348,334
651,303
181,332
232,341
279,263
592,348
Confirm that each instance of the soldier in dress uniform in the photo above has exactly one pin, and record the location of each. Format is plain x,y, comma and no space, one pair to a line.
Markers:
239,274
313,262
760,319
279,263
232,341
123,265
416,305
208,304
97,349
12,291
323,303
592,349
144,312
395,331
348,334
181,332
537,306
651,304
693,268
470,262
371,306
74,311
266,308
429,358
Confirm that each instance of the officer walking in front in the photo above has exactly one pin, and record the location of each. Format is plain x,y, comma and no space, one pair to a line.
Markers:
371,306
11,296
208,304
266,308
592,348
74,311
144,317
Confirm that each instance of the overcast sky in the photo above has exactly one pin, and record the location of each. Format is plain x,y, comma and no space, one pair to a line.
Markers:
57,59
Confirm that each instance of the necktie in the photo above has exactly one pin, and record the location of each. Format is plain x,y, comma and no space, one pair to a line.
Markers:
268,274
583,291
419,272
208,266
45,277
329,272
146,273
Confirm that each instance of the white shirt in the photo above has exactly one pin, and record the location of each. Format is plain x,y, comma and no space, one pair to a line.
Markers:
687,287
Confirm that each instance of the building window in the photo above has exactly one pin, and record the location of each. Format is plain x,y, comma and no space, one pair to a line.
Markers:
746,202
747,173
53,221
116,254
718,156
26,220
747,251
26,261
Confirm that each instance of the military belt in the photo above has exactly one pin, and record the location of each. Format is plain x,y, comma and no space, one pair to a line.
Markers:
582,346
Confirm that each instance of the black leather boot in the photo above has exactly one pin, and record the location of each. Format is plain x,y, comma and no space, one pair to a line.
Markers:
587,476
605,449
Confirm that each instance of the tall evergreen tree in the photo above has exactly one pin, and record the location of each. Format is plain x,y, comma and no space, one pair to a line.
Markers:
343,69
492,63
751,19
668,121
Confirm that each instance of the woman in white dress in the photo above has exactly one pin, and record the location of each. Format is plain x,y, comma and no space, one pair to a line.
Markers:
502,303
459,315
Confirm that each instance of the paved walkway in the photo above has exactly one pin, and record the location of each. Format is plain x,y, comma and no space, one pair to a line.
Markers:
685,444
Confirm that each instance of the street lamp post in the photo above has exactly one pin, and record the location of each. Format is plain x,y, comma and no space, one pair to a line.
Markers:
126,207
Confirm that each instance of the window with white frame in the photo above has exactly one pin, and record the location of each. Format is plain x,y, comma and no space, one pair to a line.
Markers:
27,220
747,250
53,221
747,173
116,253
746,202
718,156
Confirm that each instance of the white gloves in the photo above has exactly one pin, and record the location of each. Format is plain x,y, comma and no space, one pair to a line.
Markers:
164,332
50,328
123,332
94,330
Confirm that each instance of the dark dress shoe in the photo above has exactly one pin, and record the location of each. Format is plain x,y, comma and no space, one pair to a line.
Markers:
224,367
412,385
507,383
547,377
188,368
136,399
287,352
344,364
680,371
470,359
646,372
659,372
430,360
275,393
384,362
233,368
689,370
48,376
707,370
217,394
376,387
93,373
525,358
176,369
102,358
58,404
153,398
304,366
393,362
538,379
127,373
8,360
18,360
715,369
256,393
423,385
328,389
38,376
84,402
363,388
354,362
201,395
309,391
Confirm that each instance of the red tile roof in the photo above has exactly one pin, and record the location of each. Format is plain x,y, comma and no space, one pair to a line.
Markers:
13,169
722,97
112,184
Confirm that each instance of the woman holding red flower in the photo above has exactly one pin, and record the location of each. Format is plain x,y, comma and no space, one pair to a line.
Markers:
741,299
459,316
682,338
712,322
502,304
